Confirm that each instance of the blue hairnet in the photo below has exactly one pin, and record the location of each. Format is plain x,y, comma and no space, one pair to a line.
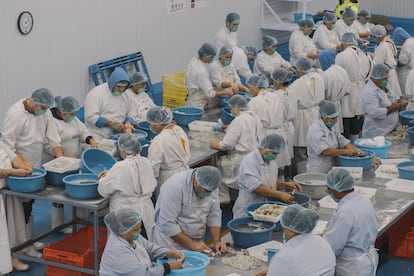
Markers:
340,180
128,142
232,18
225,50
364,14
329,17
208,177
159,115
304,64
206,50
282,75
238,102
349,38
399,35
348,13
42,96
328,109
250,50
326,58
380,71
67,104
259,81
378,31
273,142
268,41
137,78
122,221
306,24
299,219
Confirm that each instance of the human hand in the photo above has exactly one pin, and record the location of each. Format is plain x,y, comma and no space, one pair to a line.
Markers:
128,127
177,264
230,91
199,247
262,273
234,88
102,174
116,126
21,172
215,145
287,198
293,185
220,247
93,143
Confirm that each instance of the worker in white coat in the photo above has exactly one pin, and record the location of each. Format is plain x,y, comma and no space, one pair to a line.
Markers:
197,78
300,43
325,142
269,59
169,152
297,257
227,35
139,100
362,24
107,107
406,57
386,52
130,182
241,58
187,204
380,104
346,23
223,74
28,126
242,136
258,177
325,36
128,253
409,90
353,228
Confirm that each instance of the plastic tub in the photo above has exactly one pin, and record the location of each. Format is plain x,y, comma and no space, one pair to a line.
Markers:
96,160
185,115
56,179
406,170
248,239
298,16
82,186
256,205
406,116
410,132
138,133
145,127
313,184
381,152
195,264
226,116
27,184
144,147
354,161
302,199
224,101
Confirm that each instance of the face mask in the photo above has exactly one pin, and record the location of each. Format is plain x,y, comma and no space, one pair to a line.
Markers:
284,236
308,33
136,235
210,60
334,198
226,62
140,90
234,29
330,124
204,194
39,112
349,23
250,94
384,84
70,118
363,22
233,113
269,157
332,27
271,52
153,130
117,93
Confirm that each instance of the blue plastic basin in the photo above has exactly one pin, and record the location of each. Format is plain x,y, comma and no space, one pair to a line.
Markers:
226,116
406,170
56,179
144,147
145,127
27,184
256,205
354,161
406,116
138,133
195,264
410,132
185,115
248,239
82,186
381,152
96,160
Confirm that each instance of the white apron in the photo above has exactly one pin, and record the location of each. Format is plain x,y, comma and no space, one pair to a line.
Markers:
5,260
366,264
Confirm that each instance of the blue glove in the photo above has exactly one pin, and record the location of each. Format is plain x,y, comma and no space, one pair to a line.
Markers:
218,127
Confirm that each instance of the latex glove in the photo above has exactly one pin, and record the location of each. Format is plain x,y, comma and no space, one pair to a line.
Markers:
218,127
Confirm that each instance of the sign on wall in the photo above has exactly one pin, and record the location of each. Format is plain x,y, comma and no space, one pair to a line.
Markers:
175,6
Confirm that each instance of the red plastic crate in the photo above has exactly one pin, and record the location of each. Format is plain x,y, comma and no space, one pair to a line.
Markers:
76,249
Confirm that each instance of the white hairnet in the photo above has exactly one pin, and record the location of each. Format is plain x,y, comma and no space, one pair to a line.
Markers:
340,180
349,38
299,219
206,50
328,109
122,221
304,64
378,31
329,17
137,78
306,23
42,96
273,142
259,81
159,115
232,18
282,75
380,71
67,104
268,41
238,102
128,142
250,51
364,14
225,50
208,177
348,13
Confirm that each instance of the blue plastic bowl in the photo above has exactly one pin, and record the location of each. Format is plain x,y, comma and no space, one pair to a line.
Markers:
82,186
224,101
248,239
195,264
381,152
406,170
302,199
96,160
145,127
256,205
406,116
138,133
226,116
354,161
185,115
27,184
144,147
56,179
410,132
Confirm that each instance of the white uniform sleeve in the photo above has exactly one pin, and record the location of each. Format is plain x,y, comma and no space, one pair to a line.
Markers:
409,87
170,204
155,156
12,127
317,141
372,108
380,54
206,87
93,106
52,138
321,38
232,136
338,231
214,216
405,55
108,184
216,74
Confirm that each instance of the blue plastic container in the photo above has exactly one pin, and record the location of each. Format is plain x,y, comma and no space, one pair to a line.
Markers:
381,152
145,127
138,133
82,186
224,101
406,170
270,253
96,160
256,205
302,199
406,116
56,179
410,132
144,147
248,239
27,184
354,161
195,264
185,115
298,16
226,116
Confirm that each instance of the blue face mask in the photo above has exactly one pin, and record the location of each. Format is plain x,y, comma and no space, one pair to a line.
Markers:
117,93
332,27
210,60
70,118
39,112
141,90
334,198
330,124
384,84
136,235
153,130
349,23
226,62
203,194
251,95
234,29
269,157
271,52
283,236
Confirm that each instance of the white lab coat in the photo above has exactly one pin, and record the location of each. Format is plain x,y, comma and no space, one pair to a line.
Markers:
220,74
198,84
352,233
130,184
290,102
362,28
341,28
240,62
299,46
253,172
265,63
298,257
386,52
309,90
406,60
100,103
270,108
325,39
409,90
358,65
169,153
225,38
179,209
375,101
139,105
120,258
321,138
